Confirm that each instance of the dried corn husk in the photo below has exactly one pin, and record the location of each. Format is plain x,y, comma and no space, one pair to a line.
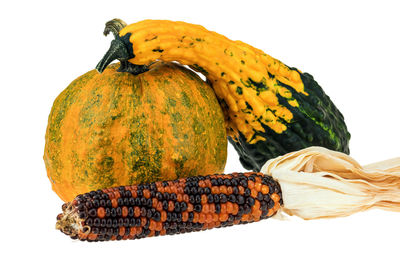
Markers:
320,183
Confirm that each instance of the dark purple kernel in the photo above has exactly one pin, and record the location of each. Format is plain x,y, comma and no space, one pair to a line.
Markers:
96,203
240,199
246,209
130,212
227,182
186,190
146,226
115,231
156,216
271,204
159,196
149,203
217,208
235,190
169,216
190,216
166,196
103,231
165,205
177,207
179,217
250,201
89,204
234,182
119,211
243,183
183,206
173,217
223,198
247,192
197,208
143,212
173,225
127,230
232,198
93,213
200,191
149,214
113,212
197,199
193,190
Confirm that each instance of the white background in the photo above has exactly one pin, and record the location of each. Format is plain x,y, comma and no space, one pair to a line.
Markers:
351,48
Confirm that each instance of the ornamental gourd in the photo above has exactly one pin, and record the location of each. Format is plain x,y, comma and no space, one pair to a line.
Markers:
270,108
116,128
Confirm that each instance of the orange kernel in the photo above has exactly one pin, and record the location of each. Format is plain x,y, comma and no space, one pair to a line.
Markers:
114,203
264,189
250,184
101,212
124,211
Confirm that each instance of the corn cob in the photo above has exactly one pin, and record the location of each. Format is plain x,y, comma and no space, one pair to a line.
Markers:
170,207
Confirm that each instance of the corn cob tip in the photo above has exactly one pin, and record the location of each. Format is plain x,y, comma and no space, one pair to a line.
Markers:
70,222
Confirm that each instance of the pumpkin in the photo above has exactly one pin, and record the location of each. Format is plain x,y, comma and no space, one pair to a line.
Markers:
271,109
116,128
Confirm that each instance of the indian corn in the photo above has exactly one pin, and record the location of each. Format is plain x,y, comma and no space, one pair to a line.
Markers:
170,207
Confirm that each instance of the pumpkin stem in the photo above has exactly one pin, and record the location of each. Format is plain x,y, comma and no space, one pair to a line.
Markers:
126,66
114,26
117,50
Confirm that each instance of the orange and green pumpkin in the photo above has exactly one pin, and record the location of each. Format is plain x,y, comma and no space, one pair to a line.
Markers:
116,128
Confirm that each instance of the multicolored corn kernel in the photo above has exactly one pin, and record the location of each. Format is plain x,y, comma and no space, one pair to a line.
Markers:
170,207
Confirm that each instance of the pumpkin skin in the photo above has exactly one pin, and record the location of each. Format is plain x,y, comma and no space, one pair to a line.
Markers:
116,128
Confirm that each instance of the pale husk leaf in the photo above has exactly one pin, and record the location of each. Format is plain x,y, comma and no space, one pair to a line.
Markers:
321,183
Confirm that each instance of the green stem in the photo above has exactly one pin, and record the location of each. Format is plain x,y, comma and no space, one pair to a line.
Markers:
119,49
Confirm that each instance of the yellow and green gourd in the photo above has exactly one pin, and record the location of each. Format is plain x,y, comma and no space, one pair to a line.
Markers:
116,128
270,109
